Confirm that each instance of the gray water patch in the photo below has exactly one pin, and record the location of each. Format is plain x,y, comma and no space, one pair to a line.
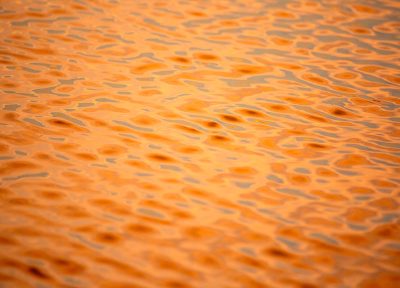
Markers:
324,238
6,158
293,245
68,118
320,162
170,167
134,127
105,46
77,37
248,251
27,21
104,99
327,134
158,24
128,135
296,192
387,144
347,172
197,201
20,93
34,175
85,241
30,70
226,210
53,31
85,104
140,174
191,180
33,121
274,178
393,245
302,170
11,107
163,42
49,90
150,212
120,38
243,185
387,218
247,203
357,227
115,85
361,147
111,160
61,156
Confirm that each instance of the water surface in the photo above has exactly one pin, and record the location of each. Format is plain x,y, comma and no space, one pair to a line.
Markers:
215,144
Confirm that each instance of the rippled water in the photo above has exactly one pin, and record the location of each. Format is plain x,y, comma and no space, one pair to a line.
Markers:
211,144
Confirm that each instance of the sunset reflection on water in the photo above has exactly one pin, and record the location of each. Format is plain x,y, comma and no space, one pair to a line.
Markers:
209,144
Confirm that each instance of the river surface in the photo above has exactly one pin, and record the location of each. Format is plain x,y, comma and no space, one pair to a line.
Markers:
199,144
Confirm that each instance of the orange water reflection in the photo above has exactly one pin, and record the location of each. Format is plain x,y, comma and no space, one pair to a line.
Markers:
199,144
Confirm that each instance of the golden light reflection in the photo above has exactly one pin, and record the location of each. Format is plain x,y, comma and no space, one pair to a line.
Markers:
199,144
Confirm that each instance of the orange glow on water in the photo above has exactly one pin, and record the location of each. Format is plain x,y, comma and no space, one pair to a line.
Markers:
199,144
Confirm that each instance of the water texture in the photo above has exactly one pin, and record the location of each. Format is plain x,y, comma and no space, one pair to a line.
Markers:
208,144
